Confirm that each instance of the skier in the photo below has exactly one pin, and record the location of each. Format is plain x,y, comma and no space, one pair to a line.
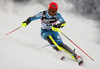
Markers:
49,19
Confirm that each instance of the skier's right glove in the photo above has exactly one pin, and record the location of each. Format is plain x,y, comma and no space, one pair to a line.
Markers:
24,24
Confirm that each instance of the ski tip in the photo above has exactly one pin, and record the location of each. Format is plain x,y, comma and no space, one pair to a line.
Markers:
92,59
80,63
63,57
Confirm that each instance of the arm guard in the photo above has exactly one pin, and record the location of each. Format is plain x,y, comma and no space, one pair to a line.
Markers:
29,20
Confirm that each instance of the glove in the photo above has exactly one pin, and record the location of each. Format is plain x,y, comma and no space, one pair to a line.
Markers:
57,26
24,24
63,24
60,25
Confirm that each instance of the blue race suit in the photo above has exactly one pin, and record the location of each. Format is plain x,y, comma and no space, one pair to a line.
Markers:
46,23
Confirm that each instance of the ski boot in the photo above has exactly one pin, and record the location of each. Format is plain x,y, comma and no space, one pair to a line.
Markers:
79,60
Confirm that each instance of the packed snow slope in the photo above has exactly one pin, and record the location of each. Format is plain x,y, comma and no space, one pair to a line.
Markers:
24,48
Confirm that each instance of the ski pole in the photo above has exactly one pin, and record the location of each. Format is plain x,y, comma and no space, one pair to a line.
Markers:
13,30
77,46
58,30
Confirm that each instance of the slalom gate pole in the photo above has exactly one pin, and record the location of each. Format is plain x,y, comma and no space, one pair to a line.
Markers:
13,30
76,46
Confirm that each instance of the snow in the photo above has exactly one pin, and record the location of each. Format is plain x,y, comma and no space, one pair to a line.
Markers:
24,48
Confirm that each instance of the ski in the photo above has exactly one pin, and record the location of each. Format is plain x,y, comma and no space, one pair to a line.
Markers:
79,62
50,45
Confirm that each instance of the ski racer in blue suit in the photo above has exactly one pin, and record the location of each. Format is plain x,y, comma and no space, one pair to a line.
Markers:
49,18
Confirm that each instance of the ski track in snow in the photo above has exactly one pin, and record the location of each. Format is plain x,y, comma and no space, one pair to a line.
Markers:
23,49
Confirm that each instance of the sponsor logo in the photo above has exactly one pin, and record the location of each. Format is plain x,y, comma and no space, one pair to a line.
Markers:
48,20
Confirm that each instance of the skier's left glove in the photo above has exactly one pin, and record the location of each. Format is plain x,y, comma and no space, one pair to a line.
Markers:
60,25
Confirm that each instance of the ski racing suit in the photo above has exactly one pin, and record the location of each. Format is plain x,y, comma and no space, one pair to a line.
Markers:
47,22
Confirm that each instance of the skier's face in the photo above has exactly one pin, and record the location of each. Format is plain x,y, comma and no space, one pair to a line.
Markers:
52,12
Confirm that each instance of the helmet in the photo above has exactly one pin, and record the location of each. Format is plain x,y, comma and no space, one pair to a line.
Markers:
53,5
